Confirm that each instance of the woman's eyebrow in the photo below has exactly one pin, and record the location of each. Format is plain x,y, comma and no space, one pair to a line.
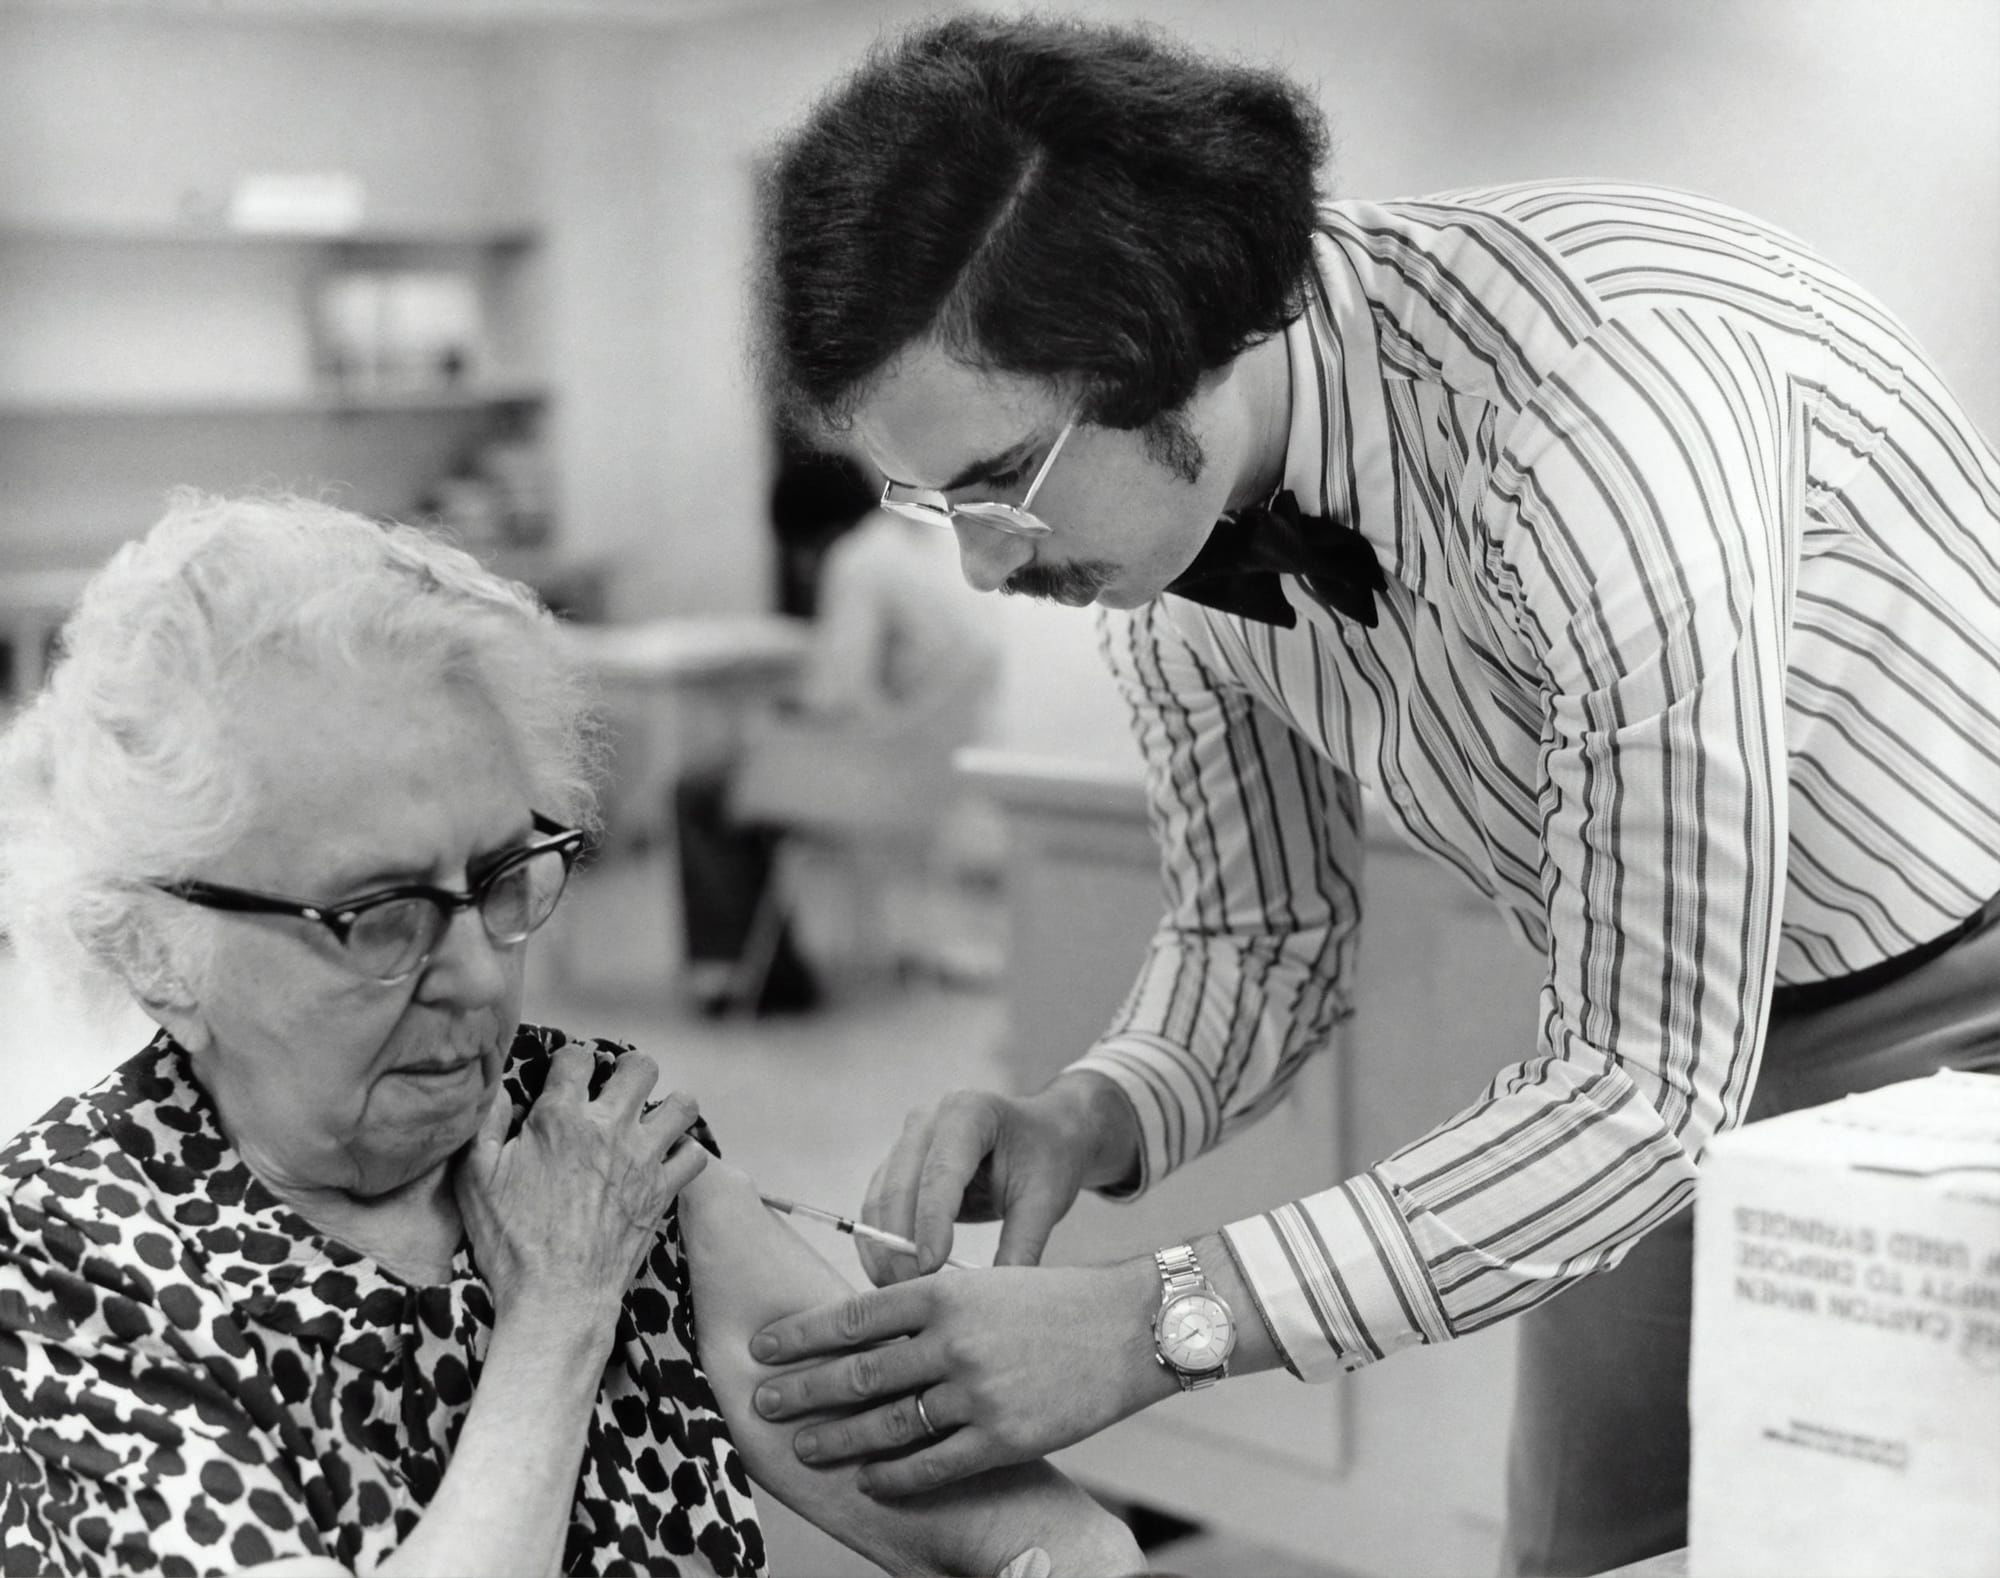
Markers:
482,858
365,877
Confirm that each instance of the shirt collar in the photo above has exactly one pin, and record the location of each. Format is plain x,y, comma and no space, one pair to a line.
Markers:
1339,461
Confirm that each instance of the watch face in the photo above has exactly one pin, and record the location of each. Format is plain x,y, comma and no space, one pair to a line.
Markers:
1196,1332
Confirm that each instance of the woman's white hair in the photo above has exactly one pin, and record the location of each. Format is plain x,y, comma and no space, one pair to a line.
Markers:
119,774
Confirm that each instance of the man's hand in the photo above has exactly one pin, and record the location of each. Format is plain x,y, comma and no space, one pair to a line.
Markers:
977,1156
1010,1364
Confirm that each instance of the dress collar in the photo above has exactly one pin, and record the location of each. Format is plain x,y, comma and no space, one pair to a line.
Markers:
274,1267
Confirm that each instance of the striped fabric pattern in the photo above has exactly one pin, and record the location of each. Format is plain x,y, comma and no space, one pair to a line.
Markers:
1690,663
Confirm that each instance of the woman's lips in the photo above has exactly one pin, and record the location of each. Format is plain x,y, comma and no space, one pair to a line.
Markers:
442,1072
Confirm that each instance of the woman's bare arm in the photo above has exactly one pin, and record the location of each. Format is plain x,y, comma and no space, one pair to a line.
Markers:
748,1268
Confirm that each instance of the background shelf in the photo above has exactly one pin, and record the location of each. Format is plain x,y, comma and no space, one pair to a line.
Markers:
226,404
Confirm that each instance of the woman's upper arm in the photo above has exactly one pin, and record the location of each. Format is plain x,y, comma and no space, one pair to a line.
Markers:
747,1268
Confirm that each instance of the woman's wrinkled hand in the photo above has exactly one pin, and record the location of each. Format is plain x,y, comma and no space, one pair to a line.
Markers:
562,1215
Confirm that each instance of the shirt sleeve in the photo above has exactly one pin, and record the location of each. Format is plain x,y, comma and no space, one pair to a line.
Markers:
1247,974
1639,547
126,1449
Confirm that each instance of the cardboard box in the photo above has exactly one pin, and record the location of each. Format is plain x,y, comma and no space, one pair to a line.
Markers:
1846,1382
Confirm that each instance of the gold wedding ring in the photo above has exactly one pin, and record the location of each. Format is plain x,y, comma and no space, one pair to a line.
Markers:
924,1414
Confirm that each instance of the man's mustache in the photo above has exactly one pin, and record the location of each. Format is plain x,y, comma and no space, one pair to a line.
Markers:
1056,583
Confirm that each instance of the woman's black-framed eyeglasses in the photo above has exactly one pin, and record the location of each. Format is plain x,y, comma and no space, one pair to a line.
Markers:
388,936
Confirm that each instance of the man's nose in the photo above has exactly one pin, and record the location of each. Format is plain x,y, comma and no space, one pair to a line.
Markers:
987,556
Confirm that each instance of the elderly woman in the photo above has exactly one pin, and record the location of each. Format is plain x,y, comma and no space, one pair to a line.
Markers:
348,1270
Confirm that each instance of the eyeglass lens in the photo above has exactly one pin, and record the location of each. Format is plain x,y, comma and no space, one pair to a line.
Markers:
389,940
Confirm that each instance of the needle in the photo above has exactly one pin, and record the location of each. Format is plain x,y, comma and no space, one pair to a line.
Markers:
847,1224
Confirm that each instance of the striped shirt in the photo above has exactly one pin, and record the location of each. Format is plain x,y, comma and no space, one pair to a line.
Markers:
1689,661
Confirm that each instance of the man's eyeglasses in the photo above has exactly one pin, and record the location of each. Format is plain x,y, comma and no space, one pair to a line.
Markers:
1018,520
390,935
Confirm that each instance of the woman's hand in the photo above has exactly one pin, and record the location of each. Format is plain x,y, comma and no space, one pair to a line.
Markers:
562,1215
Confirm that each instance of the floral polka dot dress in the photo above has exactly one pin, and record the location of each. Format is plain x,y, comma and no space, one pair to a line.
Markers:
193,1380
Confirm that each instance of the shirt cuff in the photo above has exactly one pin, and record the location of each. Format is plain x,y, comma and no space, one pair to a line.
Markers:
1338,1279
1175,1106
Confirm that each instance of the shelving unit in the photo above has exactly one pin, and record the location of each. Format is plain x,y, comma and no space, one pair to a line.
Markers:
111,406
138,357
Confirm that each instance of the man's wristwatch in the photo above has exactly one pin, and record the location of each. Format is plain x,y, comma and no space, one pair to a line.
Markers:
1194,1333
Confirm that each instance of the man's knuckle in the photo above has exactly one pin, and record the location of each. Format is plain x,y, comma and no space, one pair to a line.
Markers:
851,1318
959,1350
866,1373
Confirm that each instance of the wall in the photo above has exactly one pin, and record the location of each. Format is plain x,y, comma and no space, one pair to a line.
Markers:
119,133
1867,125
1871,127
116,119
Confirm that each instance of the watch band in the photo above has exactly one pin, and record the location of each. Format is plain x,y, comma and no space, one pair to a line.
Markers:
1180,1272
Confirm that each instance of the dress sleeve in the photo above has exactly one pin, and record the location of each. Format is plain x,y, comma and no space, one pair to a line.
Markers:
139,1434
1640,547
1260,838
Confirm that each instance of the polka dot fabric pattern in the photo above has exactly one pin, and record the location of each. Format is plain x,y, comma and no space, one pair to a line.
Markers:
193,1380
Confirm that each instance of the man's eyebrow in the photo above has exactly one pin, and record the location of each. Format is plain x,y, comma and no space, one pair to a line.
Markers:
991,466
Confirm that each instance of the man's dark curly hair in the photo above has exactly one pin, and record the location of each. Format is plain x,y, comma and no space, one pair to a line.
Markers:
1055,199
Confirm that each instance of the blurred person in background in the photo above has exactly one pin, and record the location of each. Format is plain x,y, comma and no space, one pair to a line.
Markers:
1629,551
901,669
349,1269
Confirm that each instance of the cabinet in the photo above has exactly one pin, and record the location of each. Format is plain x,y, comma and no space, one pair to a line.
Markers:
135,358
1399,1468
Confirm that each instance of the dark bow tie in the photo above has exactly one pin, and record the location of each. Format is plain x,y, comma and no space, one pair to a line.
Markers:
1238,567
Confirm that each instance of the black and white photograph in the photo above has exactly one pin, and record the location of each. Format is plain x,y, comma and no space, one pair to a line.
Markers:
1081,789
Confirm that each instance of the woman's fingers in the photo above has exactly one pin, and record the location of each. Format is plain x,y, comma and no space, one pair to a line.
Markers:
491,1139
631,1081
666,1124
682,1167
569,1073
